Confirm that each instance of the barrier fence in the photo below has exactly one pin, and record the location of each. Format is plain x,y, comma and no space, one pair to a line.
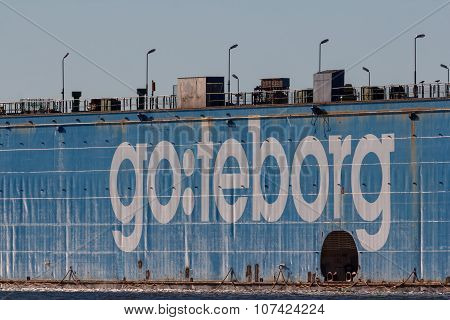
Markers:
280,97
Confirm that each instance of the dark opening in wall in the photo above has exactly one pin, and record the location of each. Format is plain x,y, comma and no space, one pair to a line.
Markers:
339,256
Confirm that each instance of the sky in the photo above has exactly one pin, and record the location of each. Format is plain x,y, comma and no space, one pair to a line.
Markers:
108,41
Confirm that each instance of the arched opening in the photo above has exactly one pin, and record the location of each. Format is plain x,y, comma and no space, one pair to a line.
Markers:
339,257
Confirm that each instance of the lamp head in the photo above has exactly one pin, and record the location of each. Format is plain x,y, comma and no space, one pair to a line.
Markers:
67,54
233,46
420,36
444,66
235,76
365,69
151,51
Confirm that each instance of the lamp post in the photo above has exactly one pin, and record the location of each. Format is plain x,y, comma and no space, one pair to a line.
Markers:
238,92
420,36
448,79
320,53
422,88
229,70
368,71
448,72
62,92
437,88
146,78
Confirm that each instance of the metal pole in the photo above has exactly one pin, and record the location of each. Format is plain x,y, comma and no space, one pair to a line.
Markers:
448,77
146,75
239,93
229,74
238,90
238,86
368,71
320,57
419,36
320,53
146,78
62,92
415,61
229,71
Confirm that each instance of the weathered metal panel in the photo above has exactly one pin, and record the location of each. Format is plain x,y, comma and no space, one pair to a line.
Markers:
69,187
192,92
328,85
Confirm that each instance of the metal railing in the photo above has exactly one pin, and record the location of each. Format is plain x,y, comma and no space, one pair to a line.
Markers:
30,106
280,97
344,94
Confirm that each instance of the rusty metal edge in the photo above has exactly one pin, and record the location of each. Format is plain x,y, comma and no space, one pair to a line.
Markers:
235,107
276,116
228,283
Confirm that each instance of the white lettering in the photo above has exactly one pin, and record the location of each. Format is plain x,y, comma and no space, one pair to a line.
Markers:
125,214
367,210
223,181
164,151
231,183
270,147
339,150
205,154
310,212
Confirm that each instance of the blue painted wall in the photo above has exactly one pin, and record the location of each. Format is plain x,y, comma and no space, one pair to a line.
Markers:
56,209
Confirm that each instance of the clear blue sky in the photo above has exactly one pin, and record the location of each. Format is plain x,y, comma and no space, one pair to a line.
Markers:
276,38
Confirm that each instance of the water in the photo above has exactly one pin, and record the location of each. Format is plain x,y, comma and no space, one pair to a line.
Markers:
169,294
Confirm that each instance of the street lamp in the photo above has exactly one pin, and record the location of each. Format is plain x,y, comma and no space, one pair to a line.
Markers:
229,70
448,79
237,78
437,88
423,88
320,52
420,36
146,81
368,71
448,72
62,92
238,92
